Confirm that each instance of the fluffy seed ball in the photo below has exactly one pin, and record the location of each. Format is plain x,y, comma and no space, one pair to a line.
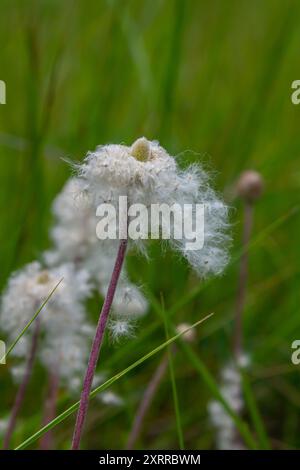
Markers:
146,174
65,335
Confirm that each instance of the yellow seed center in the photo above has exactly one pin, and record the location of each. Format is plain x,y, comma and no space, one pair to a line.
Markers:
140,149
43,278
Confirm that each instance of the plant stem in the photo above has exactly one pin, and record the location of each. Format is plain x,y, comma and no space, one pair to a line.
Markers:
23,386
50,410
243,278
146,401
176,401
94,355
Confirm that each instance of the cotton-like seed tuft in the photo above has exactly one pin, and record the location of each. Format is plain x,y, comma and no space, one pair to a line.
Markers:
145,173
231,390
120,329
111,398
65,338
74,239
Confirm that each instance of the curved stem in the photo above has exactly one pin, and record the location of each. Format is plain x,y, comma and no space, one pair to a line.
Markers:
23,386
94,355
146,402
242,283
50,410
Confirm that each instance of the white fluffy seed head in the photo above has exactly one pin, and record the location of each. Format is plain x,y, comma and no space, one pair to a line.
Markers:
147,174
74,231
120,328
129,301
18,372
64,341
111,399
244,360
74,238
231,390
114,170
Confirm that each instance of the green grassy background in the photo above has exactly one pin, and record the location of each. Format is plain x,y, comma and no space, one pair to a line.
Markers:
211,80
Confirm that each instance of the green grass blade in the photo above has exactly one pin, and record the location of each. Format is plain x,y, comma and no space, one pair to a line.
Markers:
204,373
255,414
11,347
103,387
172,68
176,402
210,382
174,388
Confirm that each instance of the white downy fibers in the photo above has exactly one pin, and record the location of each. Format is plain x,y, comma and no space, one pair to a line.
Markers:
74,240
145,173
65,334
231,390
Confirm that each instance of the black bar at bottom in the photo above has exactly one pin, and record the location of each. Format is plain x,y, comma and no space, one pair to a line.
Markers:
137,459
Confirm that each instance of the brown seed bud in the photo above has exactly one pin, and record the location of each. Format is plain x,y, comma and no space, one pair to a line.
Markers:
250,185
190,335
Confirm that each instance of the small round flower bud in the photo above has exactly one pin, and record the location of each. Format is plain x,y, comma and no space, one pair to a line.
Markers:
190,335
250,185
244,361
43,277
140,149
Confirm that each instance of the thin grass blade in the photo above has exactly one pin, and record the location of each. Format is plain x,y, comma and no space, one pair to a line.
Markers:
103,387
11,347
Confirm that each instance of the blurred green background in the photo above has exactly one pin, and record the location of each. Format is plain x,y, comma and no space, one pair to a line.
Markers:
211,80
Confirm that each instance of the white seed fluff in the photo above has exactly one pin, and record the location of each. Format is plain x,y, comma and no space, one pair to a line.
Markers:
74,240
111,398
147,174
74,233
64,341
231,390
121,328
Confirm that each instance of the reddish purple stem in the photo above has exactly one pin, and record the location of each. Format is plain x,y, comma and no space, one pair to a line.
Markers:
94,355
50,410
146,402
23,386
